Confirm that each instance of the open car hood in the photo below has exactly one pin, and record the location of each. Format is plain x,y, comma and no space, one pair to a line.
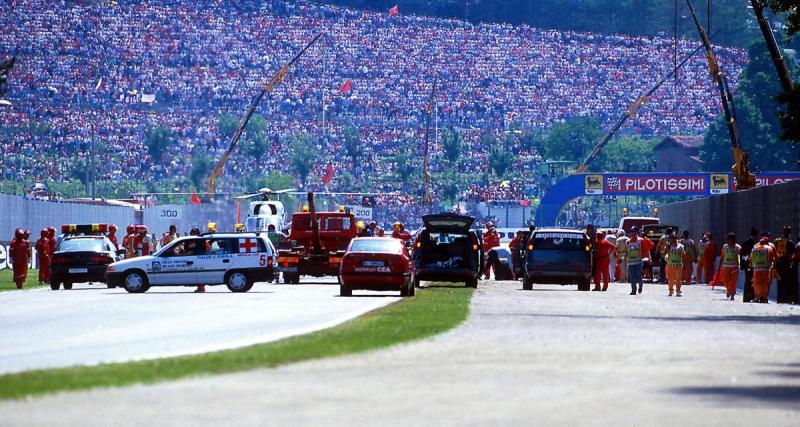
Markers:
447,223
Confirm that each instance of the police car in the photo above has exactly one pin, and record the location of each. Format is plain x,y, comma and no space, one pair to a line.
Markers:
83,253
235,259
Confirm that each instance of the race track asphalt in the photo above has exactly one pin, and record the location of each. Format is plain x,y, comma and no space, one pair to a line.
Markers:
92,324
553,356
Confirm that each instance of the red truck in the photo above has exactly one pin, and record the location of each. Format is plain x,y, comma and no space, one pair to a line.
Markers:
318,243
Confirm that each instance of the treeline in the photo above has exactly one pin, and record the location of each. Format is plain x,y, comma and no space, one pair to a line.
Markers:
634,17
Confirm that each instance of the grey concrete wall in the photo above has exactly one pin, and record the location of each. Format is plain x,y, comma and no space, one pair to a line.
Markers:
17,211
767,208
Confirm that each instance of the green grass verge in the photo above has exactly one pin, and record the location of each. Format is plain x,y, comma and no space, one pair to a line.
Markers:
7,280
432,311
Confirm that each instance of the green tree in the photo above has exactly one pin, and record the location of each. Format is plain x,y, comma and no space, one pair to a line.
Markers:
78,169
792,11
226,125
273,180
500,158
450,184
346,181
157,139
201,168
453,145
572,140
405,165
758,121
351,140
304,155
627,154
255,140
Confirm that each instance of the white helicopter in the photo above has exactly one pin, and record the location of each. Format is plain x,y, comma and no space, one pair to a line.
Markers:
262,213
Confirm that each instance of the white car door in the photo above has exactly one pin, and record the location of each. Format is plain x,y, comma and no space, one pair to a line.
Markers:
178,264
217,260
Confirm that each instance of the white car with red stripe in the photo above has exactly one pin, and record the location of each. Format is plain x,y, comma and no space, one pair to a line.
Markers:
237,260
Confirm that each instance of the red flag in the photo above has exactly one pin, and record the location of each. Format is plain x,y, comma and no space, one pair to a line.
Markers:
328,175
346,86
195,200
394,11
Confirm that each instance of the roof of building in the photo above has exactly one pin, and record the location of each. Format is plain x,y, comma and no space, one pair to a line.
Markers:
681,141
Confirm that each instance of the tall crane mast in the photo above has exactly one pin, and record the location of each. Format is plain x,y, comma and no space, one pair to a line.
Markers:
266,88
741,165
774,50
426,175
629,113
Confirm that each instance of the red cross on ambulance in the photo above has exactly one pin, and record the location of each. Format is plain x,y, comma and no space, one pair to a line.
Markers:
247,245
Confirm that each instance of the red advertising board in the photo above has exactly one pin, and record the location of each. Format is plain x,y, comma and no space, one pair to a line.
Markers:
689,184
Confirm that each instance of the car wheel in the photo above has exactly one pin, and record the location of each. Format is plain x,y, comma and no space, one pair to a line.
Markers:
288,278
110,286
55,285
417,282
345,291
135,282
238,282
527,284
296,279
472,283
67,285
584,285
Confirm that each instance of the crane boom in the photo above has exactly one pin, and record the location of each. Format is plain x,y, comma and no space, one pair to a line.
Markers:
741,165
265,89
629,113
774,51
426,175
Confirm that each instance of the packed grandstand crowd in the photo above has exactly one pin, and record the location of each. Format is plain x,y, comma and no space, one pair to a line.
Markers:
112,69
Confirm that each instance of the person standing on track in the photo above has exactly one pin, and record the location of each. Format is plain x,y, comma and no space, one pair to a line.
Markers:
196,232
748,292
20,251
691,256
170,236
590,233
675,255
709,258
112,235
729,264
604,251
621,268
490,241
637,251
762,261
787,282
128,243
51,236
43,252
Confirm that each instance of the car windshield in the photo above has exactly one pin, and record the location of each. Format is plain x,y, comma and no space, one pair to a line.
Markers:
386,246
558,241
75,245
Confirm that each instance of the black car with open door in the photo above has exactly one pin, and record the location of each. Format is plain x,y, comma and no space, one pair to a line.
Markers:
446,250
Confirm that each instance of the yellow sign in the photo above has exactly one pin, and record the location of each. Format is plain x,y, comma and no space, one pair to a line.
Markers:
719,183
593,184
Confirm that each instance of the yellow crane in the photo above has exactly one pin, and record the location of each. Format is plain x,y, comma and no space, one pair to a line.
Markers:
266,88
741,165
